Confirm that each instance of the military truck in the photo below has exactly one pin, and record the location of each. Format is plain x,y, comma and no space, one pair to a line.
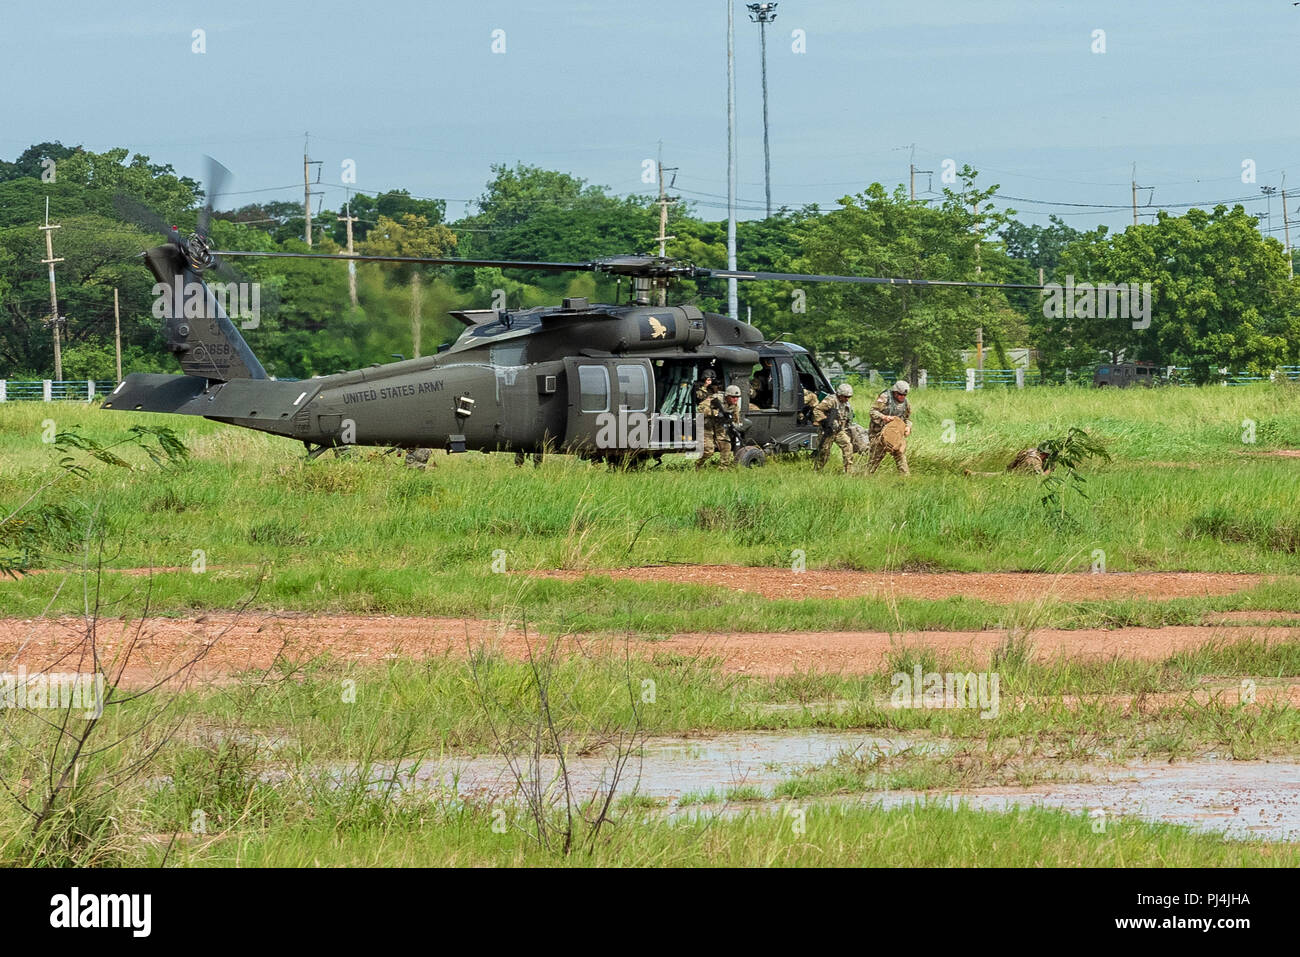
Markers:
1122,375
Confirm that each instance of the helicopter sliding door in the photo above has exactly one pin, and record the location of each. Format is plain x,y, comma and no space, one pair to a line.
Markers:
611,403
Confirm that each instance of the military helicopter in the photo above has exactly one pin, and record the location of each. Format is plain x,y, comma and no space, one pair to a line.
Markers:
598,380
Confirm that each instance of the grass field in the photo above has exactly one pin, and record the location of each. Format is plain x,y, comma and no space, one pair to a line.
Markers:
280,768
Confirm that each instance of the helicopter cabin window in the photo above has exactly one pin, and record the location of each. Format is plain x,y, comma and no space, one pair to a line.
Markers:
508,354
633,388
593,388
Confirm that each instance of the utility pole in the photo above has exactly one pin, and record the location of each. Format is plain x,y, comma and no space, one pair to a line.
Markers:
1134,183
911,173
55,319
307,164
733,303
1286,231
117,335
663,237
763,14
348,220
979,332
416,302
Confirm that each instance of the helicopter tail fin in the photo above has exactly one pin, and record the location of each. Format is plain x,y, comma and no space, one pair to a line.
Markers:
198,331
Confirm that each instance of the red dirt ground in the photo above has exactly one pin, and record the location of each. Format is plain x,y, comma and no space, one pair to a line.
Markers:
232,644
988,586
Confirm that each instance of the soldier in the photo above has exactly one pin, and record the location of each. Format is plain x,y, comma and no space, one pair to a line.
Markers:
834,415
890,405
419,458
1031,461
717,411
809,407
760,386
707,385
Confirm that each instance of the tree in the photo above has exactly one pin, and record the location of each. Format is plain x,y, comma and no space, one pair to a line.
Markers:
1221,296
31,165
878,234
1038,247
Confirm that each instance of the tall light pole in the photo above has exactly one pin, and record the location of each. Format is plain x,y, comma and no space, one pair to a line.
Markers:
763,14
733,300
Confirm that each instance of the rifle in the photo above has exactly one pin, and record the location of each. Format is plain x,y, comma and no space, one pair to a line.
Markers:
736,432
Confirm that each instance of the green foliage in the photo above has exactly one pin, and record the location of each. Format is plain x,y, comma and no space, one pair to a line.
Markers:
40,526
1067,454
1221,297
880,234
1221,293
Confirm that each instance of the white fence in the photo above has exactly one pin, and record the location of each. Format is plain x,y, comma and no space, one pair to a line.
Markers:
53,390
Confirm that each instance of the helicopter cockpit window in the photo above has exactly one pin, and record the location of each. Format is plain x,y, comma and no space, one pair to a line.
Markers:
809,377
787,383
593,388
633,388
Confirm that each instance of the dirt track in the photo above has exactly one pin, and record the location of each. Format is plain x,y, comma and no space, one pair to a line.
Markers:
230,644
987,586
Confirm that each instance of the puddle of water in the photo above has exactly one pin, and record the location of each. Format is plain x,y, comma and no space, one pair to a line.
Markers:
1238,799
667,768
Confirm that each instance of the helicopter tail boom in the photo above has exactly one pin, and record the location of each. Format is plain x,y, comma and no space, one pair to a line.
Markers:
198,331
266,404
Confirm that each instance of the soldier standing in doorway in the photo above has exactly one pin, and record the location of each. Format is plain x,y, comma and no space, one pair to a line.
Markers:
716,411
707,385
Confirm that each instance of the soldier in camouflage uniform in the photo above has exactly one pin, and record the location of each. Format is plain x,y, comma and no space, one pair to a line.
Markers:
889,405
419,458
707,385
833,415
716,411
809,405
1029,460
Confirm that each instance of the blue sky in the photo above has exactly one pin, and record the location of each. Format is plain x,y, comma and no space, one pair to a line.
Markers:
412,92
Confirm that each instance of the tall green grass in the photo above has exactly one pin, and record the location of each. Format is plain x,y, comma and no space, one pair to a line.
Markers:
364,533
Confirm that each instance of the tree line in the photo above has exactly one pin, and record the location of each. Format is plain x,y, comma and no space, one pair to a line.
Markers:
1221,294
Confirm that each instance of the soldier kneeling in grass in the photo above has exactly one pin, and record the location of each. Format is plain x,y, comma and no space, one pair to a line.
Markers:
1028,461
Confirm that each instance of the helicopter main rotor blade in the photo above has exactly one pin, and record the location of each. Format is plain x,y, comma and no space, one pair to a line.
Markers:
862,280
423,260
135,212
216,178
649,267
